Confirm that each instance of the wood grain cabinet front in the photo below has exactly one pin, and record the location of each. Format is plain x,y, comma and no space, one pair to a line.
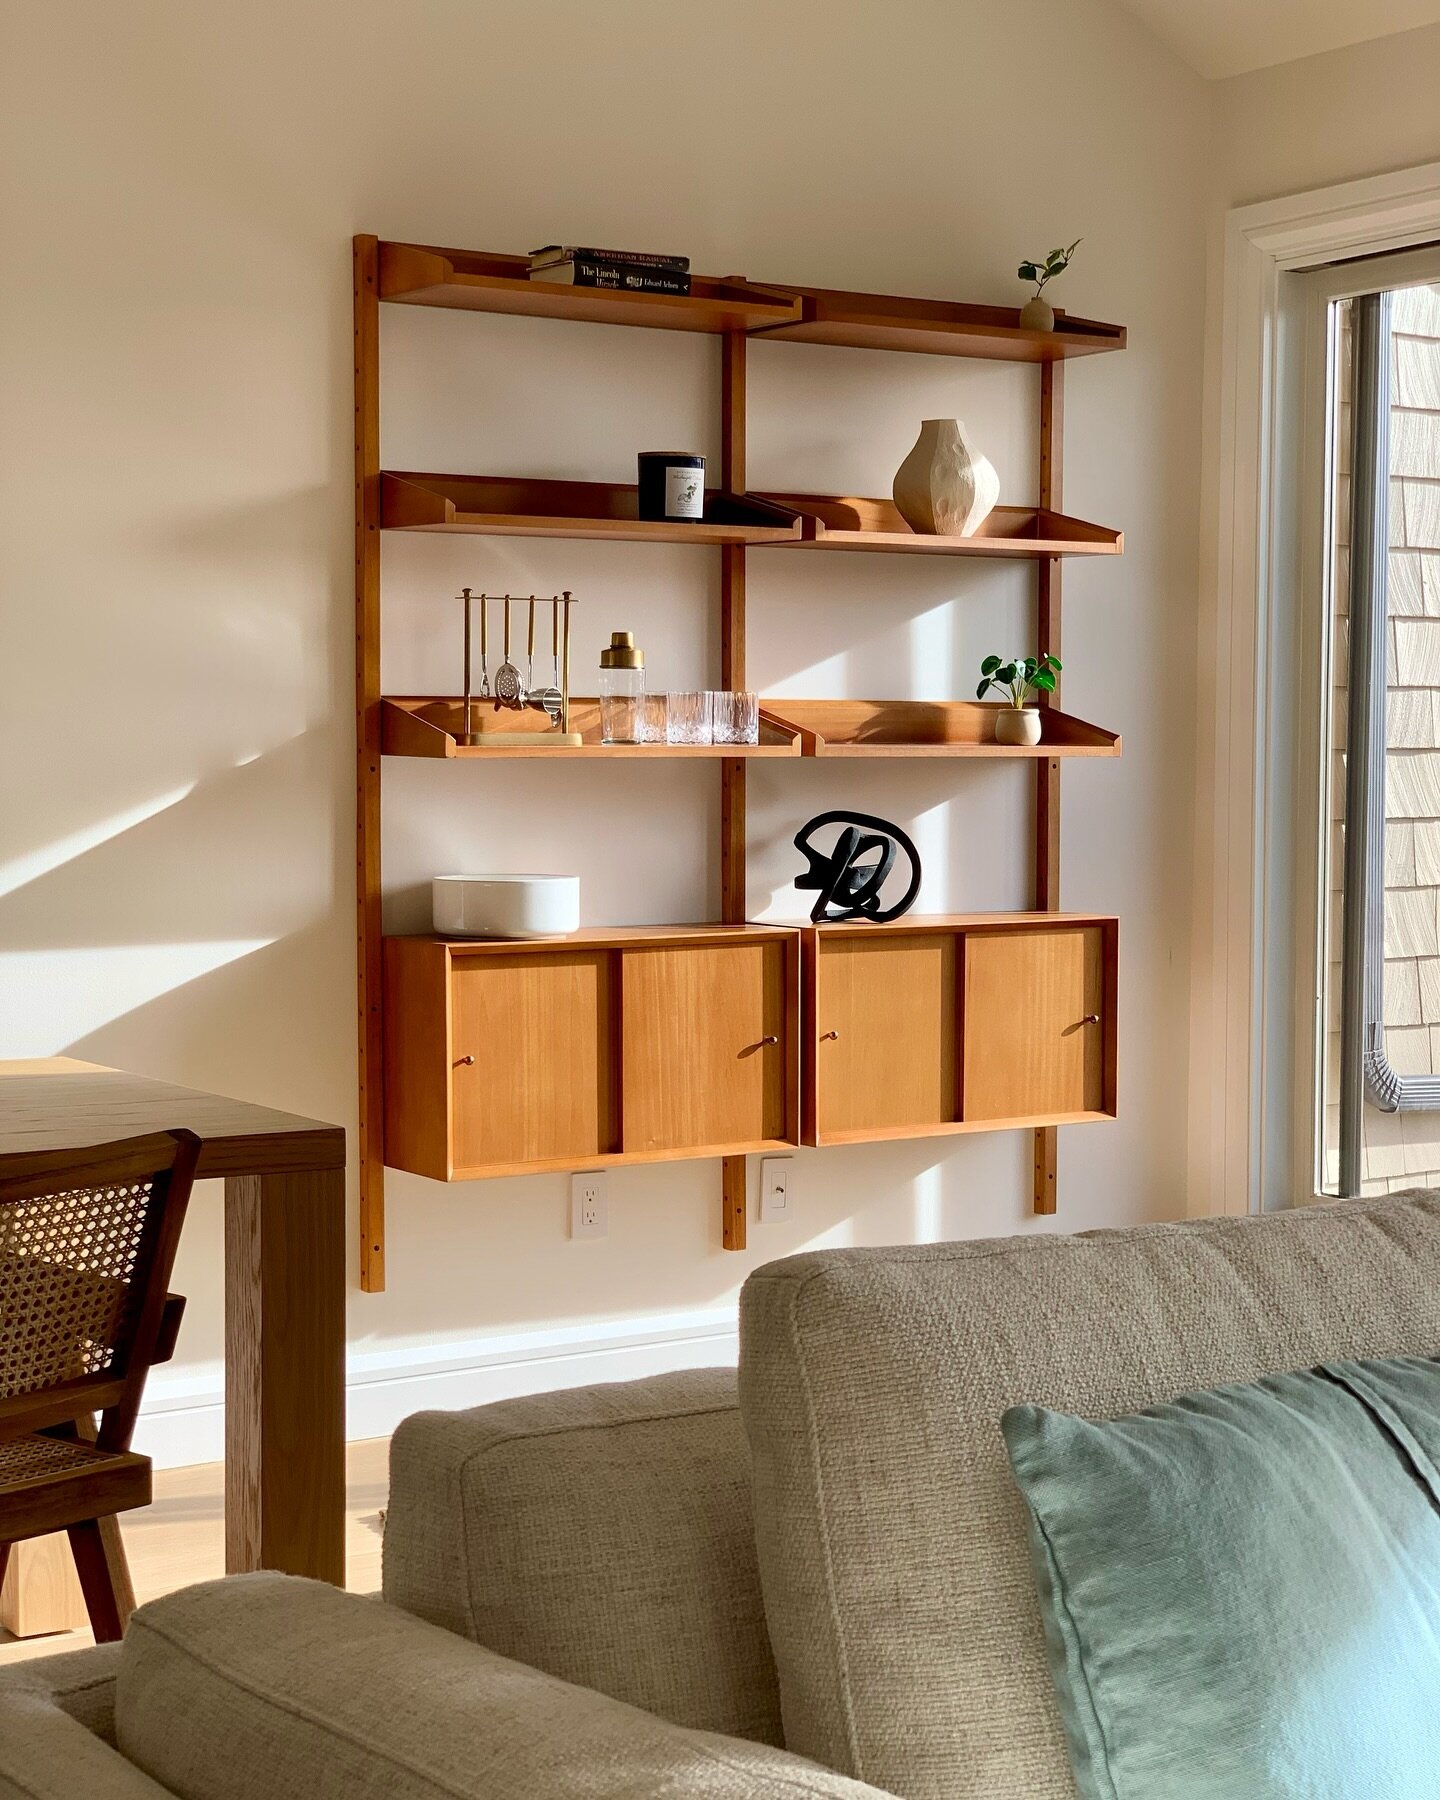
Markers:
962,1023
628,1045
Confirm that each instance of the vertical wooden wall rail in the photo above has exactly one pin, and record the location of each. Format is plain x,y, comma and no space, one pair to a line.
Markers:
1047,771
732,675
367,762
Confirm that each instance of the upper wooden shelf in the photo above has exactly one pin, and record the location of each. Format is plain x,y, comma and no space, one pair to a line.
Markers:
502,506
487,281
507,506
937,327
925,728
483,281
427,726
845,522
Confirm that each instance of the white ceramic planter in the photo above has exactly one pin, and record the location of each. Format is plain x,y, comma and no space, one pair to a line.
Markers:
944,487
505,906
1037,315
1017,725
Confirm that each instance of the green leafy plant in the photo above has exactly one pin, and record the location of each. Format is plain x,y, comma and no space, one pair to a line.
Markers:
1044,269
1020,677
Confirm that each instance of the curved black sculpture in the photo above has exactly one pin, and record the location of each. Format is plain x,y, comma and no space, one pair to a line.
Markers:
845,881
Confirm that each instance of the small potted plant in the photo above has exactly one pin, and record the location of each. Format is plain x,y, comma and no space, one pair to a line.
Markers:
1037,314
1020,678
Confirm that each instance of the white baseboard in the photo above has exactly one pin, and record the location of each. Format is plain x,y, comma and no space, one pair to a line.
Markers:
183,1418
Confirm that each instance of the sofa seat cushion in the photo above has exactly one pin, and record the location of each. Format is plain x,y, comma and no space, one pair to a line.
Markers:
266,1687
1193,1648
892,1539
603,1534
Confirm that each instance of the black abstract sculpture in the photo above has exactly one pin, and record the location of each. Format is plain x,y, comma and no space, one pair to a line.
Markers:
847,881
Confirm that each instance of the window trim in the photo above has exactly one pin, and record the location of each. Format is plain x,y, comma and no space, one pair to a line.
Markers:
1242,1112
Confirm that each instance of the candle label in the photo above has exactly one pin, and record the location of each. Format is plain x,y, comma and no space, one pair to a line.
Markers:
684,493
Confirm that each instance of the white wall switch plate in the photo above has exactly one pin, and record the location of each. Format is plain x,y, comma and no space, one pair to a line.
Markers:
775,1174
589,1204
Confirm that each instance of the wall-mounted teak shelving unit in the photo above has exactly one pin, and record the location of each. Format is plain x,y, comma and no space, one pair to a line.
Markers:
482,1059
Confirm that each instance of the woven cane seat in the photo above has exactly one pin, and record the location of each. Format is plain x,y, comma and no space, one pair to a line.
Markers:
38,1471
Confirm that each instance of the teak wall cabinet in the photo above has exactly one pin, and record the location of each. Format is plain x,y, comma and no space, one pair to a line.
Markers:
640,1045
486,1059
968,1023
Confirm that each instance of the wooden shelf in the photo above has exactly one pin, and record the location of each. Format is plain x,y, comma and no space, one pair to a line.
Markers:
506,506
925,728
937,327
509,506
640,937
483,281
427,726
846,522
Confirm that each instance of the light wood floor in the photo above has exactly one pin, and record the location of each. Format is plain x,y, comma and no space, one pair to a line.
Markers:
180,1537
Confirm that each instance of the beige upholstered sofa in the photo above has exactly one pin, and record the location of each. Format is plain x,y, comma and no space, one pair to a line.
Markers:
671,1587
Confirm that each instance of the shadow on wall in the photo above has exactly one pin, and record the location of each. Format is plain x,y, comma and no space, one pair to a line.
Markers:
188,940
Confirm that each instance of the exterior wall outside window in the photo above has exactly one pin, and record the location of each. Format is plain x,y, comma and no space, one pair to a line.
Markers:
1401,1149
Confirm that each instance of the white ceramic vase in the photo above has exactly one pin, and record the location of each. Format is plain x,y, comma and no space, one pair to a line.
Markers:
944,488
1037,315
1017,725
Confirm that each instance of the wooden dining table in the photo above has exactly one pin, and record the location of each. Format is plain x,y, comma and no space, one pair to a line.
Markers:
284,1288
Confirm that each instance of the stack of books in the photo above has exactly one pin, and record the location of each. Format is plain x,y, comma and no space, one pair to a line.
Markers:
638,271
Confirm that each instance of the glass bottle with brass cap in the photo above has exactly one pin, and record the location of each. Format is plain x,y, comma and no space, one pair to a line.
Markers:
622,689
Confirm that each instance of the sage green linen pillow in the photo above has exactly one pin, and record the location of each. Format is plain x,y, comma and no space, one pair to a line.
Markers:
1241,1588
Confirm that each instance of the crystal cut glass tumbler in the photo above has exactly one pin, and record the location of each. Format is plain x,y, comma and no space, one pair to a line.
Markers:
689,719
736,718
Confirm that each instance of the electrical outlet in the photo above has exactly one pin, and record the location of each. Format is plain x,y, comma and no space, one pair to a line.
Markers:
589,1204
775,1189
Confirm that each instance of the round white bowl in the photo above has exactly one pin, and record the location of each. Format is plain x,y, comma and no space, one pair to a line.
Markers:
505,906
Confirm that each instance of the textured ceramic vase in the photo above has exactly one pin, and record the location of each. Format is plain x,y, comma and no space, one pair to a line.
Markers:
1037,315
944,488
1017,725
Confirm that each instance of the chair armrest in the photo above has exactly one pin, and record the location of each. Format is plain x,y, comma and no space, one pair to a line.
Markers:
265,1683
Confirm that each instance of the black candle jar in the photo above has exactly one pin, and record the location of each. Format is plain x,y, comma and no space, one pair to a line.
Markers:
672,485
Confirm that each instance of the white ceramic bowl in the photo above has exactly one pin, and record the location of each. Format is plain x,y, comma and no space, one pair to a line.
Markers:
505,906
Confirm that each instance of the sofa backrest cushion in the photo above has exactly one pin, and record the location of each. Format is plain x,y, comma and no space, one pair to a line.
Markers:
266,1687
603,1534
892,1539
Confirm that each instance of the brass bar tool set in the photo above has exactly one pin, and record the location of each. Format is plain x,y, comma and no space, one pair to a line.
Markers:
510,691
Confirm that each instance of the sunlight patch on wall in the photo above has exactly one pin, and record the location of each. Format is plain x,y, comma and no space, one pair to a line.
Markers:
49,999
929,1214
35,863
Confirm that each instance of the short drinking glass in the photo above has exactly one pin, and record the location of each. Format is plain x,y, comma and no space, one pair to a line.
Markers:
650,724
688,719
736,718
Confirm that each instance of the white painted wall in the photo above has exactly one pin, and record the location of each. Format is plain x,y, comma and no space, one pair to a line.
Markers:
182,181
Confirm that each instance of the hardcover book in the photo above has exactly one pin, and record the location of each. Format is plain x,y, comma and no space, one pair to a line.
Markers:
637,278
563,253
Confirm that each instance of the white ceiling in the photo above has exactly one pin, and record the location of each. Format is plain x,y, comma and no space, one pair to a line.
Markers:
1230,37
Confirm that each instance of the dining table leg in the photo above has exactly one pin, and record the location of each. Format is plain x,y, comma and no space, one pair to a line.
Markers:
285,1373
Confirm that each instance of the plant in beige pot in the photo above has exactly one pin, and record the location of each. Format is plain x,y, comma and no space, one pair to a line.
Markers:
1021,678
944,487
1037,314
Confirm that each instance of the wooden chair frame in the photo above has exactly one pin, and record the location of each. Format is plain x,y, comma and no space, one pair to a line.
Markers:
67,1409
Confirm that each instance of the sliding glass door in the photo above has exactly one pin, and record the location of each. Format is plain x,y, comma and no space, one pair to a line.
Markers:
1367,713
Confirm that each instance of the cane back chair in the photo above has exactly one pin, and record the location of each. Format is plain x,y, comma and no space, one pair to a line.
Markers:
87,1246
